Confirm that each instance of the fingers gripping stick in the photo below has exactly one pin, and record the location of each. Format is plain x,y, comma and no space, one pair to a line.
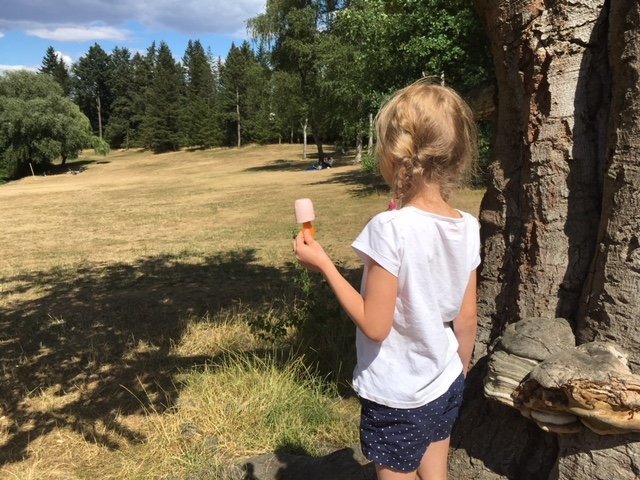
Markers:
305,214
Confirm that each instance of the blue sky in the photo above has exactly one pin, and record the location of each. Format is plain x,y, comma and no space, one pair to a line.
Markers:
28,27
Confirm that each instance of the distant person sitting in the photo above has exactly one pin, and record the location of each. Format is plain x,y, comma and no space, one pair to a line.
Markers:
322,164
326,163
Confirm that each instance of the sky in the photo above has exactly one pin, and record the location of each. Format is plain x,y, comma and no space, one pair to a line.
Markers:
29,27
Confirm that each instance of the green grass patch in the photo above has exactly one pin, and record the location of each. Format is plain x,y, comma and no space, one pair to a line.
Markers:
250,405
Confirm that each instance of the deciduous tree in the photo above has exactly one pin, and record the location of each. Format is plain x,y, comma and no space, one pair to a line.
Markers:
559,220
38,124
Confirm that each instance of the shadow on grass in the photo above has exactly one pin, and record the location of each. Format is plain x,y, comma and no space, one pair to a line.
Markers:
361,184
283,165
74,166
343,464
97,339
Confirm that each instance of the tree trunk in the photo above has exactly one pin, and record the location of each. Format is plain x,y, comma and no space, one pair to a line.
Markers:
318,142
370,144
99,108
238,118
358,158
541,218
610,308
304,138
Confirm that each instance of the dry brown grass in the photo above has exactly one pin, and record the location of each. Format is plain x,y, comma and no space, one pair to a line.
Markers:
116,281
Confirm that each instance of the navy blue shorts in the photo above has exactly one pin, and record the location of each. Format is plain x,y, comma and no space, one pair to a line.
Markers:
397,438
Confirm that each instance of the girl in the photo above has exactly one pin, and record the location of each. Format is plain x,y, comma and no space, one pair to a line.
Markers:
416,312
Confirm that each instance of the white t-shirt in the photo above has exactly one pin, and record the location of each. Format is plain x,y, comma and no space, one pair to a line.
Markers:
432,256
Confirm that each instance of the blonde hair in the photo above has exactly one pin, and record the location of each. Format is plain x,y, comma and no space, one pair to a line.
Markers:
426,134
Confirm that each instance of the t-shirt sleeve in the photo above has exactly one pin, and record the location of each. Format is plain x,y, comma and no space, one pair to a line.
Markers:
474,242
380,242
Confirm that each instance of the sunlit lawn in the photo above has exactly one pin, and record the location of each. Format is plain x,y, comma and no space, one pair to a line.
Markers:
127,292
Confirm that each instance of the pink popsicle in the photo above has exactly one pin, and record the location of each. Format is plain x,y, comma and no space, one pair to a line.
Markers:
305,214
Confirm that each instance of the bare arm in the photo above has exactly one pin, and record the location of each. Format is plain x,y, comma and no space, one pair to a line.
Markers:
372,314
465,325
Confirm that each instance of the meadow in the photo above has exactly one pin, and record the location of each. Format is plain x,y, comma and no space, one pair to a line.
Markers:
153,323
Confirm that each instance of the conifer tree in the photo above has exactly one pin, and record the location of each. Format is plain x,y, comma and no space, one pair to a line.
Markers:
239,78
91,87
143,68
261,123
120,131
163,120
201,127
53,65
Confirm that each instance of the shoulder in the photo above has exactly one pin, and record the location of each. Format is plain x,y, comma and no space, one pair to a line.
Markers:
383,218
391,222
470,219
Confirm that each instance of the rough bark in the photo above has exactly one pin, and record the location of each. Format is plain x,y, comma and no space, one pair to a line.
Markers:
610,305
612,311
541,218
540,214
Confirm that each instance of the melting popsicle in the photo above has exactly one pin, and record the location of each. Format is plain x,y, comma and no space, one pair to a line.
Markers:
305,214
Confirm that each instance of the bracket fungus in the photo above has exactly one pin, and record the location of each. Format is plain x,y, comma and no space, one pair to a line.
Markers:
566,387
521,347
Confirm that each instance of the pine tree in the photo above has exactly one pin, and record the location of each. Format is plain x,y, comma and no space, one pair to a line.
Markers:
143,70
202,126
91,87
119,132
239,80
163,121
53,65
261,123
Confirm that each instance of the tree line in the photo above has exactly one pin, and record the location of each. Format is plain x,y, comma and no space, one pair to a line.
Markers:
314,69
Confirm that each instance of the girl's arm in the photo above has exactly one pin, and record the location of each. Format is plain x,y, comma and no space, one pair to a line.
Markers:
465,325
372,314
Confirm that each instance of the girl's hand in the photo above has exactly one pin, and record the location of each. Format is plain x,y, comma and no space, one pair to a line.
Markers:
310,253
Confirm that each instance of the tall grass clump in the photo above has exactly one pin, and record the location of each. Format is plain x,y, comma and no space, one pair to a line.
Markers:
369,164
312,322
249,405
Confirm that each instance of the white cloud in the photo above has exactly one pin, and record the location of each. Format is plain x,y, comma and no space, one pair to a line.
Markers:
1,34
80,34
15,68
66,20
65,58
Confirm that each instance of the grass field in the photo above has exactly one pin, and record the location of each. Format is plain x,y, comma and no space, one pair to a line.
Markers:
152,323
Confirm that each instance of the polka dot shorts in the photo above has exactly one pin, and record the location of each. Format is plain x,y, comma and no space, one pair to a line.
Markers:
397,438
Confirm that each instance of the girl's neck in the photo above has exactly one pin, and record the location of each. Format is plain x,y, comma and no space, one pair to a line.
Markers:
429,199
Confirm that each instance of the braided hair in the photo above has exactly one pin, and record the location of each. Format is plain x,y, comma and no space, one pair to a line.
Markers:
426,134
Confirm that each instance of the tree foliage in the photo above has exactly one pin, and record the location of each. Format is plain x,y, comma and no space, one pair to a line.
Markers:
37,123
201,98
52,64
91,87
119,131
163,123
322,67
